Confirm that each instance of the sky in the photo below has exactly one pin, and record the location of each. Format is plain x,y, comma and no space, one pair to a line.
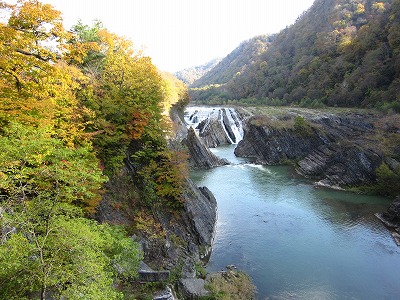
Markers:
178,34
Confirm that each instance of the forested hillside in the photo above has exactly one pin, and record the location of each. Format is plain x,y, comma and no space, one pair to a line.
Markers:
338,53
71,104
189,75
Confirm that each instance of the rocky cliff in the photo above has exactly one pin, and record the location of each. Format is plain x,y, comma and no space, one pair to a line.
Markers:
338,150
200,155
170,239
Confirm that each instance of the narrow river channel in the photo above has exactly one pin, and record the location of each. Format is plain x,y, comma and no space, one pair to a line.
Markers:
296,241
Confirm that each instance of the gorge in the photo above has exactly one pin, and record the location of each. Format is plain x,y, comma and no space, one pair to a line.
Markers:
296,239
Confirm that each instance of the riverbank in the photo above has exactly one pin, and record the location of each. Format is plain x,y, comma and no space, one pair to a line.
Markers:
295,240
337,148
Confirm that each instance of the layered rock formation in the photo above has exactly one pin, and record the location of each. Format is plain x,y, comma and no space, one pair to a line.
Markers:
337,150
200,156
216,126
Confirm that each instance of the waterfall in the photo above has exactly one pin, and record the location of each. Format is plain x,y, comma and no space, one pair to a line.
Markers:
228,118
236,124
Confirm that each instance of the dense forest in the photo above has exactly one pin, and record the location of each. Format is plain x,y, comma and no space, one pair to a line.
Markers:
338,53
71,105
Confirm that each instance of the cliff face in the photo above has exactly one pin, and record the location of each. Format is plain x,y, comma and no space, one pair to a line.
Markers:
200,156
338,150
273,146
170,238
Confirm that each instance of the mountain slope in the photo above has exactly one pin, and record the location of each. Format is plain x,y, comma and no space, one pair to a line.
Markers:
237,61
189,75
339,52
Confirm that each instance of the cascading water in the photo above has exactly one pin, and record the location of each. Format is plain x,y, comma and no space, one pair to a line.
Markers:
195,115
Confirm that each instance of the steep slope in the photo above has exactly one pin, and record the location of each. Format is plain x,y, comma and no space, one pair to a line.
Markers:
189,75
237,61
339,52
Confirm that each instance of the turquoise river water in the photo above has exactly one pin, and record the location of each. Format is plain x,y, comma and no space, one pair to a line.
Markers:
297,241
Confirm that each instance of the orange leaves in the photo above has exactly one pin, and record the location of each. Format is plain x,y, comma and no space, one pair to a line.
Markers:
39,83
137,124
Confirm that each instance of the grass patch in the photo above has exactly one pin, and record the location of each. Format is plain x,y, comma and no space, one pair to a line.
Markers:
231,285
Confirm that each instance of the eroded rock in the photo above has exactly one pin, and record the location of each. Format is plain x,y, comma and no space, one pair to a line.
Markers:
336,150
193,288
200,156
391,218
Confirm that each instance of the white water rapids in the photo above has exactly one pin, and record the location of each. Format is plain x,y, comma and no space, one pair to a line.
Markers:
195,115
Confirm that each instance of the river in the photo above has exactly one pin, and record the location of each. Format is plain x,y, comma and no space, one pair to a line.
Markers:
297,241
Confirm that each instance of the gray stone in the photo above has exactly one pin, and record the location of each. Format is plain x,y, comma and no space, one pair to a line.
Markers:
200,156
165,295
391,218
146,274
193,288
335,151
212,131
201,210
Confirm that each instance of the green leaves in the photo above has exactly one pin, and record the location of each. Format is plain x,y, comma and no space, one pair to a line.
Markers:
54,250
34,164
94,89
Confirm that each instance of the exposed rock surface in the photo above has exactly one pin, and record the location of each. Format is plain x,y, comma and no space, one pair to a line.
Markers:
216,126
391,218
197,207
147,274
274,146
165,295
193,288
183,237
337,150
200,156
212,132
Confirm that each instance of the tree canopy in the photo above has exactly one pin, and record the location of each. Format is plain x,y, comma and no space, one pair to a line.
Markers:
338,53
74,106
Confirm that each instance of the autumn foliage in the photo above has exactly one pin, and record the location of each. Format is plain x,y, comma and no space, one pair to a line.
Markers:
74,106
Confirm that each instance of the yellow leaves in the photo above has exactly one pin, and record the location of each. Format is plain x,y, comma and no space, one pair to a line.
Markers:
42,20
174,91
39,86
112,43
360,9
378,7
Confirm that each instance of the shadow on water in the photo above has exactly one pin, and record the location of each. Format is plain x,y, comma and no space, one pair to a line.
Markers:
296,241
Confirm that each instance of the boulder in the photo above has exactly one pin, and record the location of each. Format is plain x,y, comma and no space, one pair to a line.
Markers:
146,274
193,288
165,295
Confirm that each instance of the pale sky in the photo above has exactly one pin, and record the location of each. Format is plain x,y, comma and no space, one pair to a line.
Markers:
178,34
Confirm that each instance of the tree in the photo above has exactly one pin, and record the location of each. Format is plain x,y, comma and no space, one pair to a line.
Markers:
35,165
54,252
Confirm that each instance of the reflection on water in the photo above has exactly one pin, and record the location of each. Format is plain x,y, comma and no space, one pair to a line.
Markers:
296,241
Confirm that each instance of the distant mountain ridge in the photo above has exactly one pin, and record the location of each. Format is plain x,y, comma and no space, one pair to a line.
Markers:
189,75
338,53
237,61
